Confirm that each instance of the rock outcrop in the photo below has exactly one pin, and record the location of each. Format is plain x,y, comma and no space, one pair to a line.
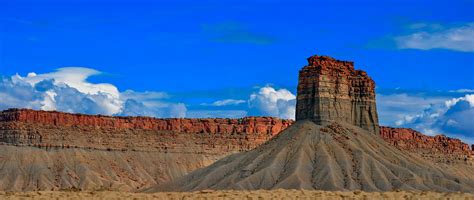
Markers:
332,90
439,147
56,129
253,125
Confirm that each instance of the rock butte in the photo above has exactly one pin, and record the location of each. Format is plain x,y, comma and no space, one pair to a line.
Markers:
335,145
332,90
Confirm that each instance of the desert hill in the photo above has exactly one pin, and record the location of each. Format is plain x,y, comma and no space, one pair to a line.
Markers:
43,150
336,156
333,145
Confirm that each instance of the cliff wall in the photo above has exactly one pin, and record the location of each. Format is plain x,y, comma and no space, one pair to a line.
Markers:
215,136
209,136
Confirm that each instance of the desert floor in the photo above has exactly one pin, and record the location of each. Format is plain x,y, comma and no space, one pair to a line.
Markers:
230,194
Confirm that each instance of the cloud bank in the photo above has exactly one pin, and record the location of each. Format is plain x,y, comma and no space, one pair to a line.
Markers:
68,90
429,114
460,38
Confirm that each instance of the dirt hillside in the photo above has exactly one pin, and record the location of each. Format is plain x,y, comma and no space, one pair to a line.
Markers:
330,157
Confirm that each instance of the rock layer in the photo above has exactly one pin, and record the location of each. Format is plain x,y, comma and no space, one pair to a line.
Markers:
217,136
332,90
439,147
264,125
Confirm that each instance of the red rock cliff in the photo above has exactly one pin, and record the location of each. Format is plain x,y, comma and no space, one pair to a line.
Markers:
43,128
332,90
412,140
263,125
212,136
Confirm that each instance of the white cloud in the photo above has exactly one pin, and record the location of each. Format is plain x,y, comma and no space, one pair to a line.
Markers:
279,103
19,94
451,116
75,77
457,38
68,90
399,108
225,102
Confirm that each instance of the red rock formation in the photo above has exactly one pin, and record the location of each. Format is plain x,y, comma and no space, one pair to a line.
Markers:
56,129
259,125
50,129
332,90
431,146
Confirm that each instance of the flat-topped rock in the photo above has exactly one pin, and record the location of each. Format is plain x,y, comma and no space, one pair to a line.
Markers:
332,90
211,135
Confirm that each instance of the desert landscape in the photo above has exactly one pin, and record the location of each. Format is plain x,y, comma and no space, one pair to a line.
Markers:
236,99
335,149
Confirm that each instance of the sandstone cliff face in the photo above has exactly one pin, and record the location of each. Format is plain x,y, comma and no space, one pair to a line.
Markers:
53,129
263,125
439,147
332,90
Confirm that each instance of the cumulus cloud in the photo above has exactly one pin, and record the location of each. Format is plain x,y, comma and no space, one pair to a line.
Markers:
279,103
68,90
396,108
15,93
452,117
459,38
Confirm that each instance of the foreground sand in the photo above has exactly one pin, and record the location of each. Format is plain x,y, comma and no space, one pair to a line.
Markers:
232,194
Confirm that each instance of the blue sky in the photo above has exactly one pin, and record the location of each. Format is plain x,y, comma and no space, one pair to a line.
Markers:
234,58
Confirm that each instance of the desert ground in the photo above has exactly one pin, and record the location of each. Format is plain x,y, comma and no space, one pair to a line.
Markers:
233,194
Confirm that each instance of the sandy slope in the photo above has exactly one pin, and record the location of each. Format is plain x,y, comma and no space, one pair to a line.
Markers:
30,168
333,157
226,194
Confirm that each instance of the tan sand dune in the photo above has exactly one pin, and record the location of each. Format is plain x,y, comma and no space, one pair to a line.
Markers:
331,157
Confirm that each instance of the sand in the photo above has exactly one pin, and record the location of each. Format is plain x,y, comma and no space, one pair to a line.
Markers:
233,194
